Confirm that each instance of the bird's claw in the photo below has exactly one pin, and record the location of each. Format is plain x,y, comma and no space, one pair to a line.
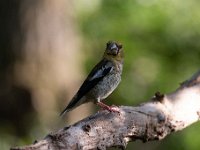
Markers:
113,109
109,108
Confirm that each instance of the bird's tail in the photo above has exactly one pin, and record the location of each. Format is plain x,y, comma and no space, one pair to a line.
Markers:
64,111
75,102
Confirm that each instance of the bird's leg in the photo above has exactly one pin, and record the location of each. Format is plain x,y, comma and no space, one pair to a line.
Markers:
104,106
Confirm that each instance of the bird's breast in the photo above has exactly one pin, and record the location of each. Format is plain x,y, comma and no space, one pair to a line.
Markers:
107,85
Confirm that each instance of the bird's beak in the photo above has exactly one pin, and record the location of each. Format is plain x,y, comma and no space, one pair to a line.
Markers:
113,49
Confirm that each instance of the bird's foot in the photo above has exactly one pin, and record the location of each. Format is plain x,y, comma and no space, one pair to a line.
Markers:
114,109
109,108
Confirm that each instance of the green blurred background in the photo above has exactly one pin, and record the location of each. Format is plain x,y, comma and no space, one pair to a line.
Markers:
48,47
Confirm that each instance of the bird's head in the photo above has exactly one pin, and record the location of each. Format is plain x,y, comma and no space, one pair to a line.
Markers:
114,50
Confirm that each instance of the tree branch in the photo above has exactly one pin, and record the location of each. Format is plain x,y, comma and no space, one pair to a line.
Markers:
153,120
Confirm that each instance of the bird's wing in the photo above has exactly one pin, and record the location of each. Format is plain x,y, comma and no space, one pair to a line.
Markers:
96,75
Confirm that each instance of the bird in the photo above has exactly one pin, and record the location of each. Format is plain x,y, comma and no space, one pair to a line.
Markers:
102,80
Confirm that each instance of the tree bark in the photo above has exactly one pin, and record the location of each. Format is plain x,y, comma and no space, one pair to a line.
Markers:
153,120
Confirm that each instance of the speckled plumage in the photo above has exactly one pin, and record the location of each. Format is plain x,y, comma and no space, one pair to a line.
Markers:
107,85
102,80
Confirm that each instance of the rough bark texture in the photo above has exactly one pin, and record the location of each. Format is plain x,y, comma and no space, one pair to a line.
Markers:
153,120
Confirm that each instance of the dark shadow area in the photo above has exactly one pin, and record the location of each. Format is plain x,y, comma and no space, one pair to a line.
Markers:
15,100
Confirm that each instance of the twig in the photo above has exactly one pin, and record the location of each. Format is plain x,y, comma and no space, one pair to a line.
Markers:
153,120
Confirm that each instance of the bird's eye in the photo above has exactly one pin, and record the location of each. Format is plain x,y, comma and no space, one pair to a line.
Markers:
109,42
119,46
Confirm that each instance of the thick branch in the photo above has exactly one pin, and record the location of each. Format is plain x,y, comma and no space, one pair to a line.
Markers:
148,121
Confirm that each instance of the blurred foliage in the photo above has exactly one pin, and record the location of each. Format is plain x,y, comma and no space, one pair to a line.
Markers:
160,40
162,49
